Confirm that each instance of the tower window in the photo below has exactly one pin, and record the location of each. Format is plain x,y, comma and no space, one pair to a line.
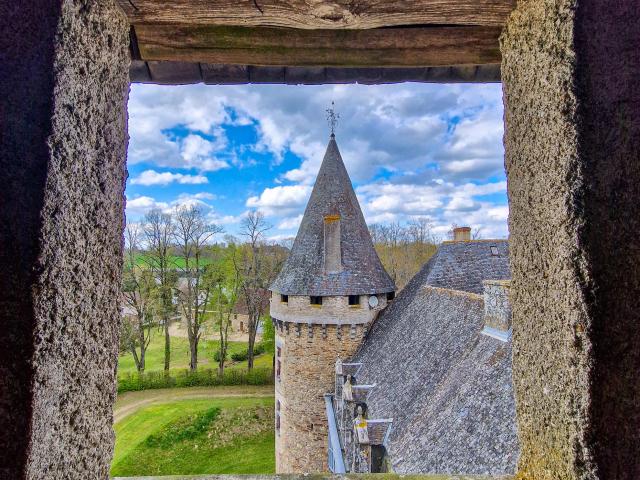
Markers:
354,300
278,416
284,298
391,296
278,362
315,300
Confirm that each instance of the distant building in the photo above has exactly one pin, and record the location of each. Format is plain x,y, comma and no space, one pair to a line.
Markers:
368,383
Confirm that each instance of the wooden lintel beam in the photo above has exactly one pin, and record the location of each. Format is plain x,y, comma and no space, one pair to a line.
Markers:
389,47
319,14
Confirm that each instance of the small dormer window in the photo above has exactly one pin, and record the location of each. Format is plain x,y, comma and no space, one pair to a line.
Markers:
391,296
284,298
354,300
315,300
494,251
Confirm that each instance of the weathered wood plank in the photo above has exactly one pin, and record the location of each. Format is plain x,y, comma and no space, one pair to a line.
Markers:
239,74
319,14
390,47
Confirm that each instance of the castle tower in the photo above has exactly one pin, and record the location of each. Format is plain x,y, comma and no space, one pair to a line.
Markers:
329,290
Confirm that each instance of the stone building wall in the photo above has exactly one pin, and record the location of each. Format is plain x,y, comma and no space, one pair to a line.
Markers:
309,353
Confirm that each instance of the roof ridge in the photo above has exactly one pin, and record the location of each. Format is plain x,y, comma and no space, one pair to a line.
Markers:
479,240
454,292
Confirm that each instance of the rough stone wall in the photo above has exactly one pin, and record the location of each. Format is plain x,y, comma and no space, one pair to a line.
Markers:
572,140
497,305
308,372
63,93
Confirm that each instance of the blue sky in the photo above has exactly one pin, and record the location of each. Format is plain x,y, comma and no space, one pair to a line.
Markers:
412,150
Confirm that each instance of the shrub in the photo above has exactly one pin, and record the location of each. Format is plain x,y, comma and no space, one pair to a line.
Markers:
199,378
216,356
240,356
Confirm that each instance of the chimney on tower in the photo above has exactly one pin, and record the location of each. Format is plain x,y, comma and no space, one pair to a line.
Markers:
462,234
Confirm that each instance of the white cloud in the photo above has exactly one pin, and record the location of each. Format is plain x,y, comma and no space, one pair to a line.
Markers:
412,149
141,205
281,200
290,223
151,177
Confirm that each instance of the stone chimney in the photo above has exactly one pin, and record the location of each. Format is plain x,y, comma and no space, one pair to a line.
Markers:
462,234
497,309
332,247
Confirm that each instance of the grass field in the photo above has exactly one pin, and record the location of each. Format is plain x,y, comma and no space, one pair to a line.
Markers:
196,435
154,360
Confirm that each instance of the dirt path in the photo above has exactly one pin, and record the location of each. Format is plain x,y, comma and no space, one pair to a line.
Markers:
130,402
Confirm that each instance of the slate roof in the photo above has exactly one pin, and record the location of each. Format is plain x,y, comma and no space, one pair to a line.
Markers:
303,272
464,265
447,387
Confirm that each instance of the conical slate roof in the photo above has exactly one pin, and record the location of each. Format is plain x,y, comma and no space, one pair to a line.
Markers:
362,272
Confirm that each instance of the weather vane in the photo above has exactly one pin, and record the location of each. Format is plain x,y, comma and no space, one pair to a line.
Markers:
332,118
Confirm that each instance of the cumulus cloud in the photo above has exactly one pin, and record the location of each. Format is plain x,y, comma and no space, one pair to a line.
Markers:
281,200
141,205
152,177
412,149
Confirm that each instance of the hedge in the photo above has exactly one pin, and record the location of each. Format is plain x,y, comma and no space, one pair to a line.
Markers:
200,378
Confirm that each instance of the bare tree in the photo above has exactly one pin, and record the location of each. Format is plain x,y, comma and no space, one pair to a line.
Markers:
403,249
256,272
192,233
138,291
159,231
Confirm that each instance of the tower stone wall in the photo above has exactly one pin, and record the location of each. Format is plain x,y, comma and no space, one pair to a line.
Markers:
307,352
308,373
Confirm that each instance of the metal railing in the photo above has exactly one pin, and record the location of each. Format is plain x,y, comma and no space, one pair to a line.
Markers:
334,456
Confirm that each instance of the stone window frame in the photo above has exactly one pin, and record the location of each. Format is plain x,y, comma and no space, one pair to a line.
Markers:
315,300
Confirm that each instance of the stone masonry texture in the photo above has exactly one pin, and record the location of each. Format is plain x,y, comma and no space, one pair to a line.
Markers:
571,79
63,93
307,374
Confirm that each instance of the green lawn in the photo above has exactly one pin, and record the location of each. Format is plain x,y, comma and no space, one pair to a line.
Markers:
154,360
178,438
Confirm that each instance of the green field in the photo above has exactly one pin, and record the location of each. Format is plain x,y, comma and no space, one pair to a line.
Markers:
154,358
175,261
197,436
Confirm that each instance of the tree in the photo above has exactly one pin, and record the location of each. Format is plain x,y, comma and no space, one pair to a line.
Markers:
192,233
256,267
159,231
225,284
139,294
403,249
